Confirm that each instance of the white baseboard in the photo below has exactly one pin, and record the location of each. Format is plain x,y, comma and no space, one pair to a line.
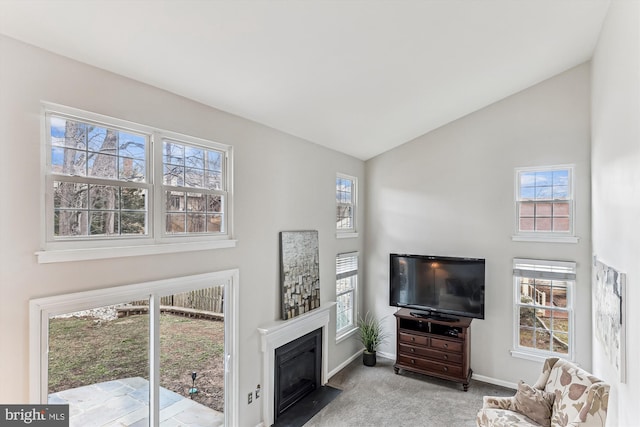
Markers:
355,356
344,364
482,378
386,355
494,381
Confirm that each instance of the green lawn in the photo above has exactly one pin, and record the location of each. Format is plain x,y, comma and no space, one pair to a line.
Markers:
85,351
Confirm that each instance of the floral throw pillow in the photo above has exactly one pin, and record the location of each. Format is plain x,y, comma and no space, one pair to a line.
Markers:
534,403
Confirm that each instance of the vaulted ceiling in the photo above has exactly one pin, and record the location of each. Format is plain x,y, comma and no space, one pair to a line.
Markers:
358,76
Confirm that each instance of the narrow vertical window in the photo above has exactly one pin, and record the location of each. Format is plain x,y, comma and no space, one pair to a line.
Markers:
544,201
543,306
346,288
345,203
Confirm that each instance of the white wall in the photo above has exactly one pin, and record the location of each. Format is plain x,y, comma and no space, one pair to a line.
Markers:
281,183
450,192
616,186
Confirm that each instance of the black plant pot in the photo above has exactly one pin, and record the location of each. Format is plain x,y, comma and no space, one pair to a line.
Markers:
369,359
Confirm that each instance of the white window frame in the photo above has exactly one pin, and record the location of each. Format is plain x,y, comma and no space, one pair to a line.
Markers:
155,241
352,231
225,191
42,309
549,270
342,273
545,236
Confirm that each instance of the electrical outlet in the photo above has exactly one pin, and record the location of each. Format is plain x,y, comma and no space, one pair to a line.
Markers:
250,399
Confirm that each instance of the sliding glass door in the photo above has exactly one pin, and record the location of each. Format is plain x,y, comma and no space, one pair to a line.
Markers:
141,354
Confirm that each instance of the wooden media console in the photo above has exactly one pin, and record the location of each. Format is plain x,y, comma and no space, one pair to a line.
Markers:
434,347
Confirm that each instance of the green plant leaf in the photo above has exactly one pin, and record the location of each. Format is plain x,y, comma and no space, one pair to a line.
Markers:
371,332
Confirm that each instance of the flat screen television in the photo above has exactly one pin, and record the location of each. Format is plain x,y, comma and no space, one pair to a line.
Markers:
439,287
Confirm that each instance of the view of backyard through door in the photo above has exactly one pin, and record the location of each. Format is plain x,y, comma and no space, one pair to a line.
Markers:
107,349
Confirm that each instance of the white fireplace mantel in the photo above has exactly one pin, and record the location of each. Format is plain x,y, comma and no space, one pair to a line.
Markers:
281,332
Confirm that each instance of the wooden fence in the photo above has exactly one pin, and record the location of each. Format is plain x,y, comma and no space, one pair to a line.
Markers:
208,299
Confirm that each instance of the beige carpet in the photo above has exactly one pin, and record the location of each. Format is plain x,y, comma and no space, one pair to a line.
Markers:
376,396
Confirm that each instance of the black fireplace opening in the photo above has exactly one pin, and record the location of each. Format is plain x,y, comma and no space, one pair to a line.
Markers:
298,370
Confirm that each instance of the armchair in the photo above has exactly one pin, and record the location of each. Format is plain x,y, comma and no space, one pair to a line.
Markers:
579,400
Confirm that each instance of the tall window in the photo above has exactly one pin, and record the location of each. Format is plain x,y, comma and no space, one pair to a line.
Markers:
345,203
543,306
346,287
109,184
544,201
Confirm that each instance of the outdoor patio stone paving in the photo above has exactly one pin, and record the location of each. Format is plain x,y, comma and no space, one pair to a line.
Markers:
124,402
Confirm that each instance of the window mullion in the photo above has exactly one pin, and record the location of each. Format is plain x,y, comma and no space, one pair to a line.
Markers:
166,188
159,207
349,290
347,274
154,360
98,181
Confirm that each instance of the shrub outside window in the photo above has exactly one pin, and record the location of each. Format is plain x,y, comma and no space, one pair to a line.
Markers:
543,306
346,288
544,201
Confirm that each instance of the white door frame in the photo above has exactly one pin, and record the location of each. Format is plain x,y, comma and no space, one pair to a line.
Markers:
41,309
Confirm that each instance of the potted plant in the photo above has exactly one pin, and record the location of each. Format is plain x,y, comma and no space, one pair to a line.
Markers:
371,336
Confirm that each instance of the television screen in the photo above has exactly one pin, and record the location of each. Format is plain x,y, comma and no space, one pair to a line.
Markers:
436,284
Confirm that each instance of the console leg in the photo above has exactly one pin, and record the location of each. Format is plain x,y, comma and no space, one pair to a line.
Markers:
465,386
396,370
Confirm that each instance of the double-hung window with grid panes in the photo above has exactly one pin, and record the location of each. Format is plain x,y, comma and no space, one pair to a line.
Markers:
99,177
193,188
345,203
346,292
544,201
111,183
544,307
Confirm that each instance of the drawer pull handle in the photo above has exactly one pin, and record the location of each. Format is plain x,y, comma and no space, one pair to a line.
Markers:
445,369
446,357
413,350
413,338
446,345
413,362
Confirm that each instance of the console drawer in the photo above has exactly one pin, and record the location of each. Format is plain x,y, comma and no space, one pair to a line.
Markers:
414,361
413,339
446,345
413,351
431,366
444,369
433,354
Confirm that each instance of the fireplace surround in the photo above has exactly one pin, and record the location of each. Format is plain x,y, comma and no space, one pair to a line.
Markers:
298,366
278,333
